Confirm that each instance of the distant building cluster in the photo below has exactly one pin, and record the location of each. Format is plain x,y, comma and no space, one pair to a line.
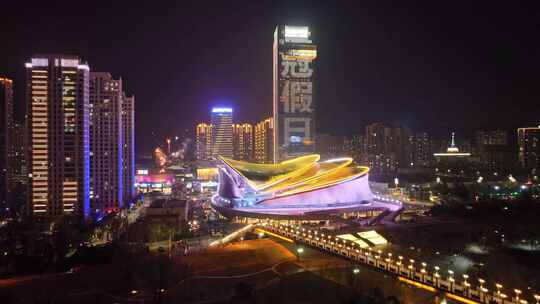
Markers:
74,154
383,148
529,148
290,131
389,149
243,141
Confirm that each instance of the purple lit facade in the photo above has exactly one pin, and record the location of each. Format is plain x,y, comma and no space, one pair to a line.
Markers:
238,197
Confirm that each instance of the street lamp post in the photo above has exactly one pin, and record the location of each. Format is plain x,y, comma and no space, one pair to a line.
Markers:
481,281
466,284
451,279
299,251
499,287
423,271
355,271
436,275
518,293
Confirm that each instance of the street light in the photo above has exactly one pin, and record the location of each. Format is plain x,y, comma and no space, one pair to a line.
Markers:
355,272
537,298
499,287
299,251
518,292
481,281
411,267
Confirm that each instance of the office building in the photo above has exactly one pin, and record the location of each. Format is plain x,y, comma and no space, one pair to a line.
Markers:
355,146
329,146
453,160
128,141
293,104
386,148
492,149
57,105
529,148
17,161
18,176
418,149
106,142
203,142
243,141
222,137
6,132
264,141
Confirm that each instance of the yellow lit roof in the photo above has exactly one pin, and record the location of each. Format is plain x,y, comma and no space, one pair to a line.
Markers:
312,172
296,175
348,237
334,177
263,175
352,238
373,237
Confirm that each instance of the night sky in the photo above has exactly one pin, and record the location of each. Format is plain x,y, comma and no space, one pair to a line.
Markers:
437,67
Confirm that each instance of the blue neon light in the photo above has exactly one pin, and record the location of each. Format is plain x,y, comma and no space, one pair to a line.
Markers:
221,110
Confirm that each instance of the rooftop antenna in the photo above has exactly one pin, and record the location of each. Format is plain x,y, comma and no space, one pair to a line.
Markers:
453,148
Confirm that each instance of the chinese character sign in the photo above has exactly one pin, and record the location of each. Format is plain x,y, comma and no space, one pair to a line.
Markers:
297,88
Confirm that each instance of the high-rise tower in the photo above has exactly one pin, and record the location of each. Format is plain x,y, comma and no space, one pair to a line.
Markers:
128,142
264,141
6,132
222,132
243,141
293,72
203,141
529,148
106,141
57,97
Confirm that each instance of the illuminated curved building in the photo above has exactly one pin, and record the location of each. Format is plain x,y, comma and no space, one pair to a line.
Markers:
303,186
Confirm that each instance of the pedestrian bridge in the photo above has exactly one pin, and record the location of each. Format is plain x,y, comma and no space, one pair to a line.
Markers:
407,270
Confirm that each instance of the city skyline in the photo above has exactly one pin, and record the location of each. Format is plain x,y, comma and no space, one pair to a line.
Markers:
313,152
398,69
